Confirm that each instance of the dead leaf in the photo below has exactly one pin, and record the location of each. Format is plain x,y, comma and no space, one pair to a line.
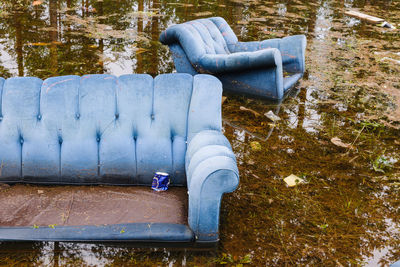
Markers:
255,113
40,191
255,146
270,115
37,2
39,44
203,14
181,4
223,99
242,22
251,162
140,50
258,19
336,141
4,186
293,180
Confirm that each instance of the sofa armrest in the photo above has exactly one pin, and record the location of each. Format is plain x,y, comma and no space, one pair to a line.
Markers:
211,171
187,37
292,50
242,61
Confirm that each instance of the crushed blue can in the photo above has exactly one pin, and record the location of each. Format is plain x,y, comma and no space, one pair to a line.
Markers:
160,181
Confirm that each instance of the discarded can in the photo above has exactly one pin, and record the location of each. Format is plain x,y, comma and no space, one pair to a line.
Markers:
160,181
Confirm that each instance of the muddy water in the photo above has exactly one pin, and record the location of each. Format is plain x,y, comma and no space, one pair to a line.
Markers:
346,212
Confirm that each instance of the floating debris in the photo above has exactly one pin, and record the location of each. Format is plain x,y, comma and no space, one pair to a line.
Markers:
43,44
141,50
293,180
386,24
203,14
181,4
223,99
4,186
365,17
270,115
338,142
37,2
391,60
369,18
250,110
256,146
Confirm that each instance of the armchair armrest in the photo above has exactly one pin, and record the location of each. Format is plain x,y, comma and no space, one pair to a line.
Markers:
211,171
241,61
292,49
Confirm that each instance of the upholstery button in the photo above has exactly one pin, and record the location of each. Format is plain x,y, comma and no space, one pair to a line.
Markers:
152,116
98,139
116,116
77,116
1,118
21,140
39,117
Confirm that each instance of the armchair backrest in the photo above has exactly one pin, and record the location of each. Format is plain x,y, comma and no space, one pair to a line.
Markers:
201,36
101,128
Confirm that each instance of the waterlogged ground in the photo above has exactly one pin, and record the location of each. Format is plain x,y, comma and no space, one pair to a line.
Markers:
347,211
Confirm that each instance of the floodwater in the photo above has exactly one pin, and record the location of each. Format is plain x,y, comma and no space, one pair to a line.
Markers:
348,210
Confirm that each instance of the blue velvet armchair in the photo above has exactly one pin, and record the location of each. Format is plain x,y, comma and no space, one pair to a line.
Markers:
102,129
265,69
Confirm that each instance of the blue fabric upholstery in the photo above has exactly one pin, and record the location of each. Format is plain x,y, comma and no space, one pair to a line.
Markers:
102,129
211,169
255,68
133,232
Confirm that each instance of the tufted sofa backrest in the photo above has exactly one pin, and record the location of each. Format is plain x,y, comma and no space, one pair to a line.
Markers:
100,128
201,36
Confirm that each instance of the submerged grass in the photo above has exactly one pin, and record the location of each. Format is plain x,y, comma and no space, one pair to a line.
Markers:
346,212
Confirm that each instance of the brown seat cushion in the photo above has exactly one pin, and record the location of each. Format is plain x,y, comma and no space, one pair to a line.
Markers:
29,205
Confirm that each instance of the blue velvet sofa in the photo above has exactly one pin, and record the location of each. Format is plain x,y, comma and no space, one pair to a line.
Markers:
76,132
264,69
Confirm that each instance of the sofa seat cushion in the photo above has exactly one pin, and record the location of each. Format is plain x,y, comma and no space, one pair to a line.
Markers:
28,205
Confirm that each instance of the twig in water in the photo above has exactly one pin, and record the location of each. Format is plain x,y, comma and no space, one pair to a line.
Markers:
359,133
248,132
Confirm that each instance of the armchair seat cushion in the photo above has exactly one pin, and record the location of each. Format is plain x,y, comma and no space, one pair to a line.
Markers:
242,60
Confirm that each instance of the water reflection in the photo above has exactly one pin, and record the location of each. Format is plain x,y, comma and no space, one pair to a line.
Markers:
119,37
346,213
